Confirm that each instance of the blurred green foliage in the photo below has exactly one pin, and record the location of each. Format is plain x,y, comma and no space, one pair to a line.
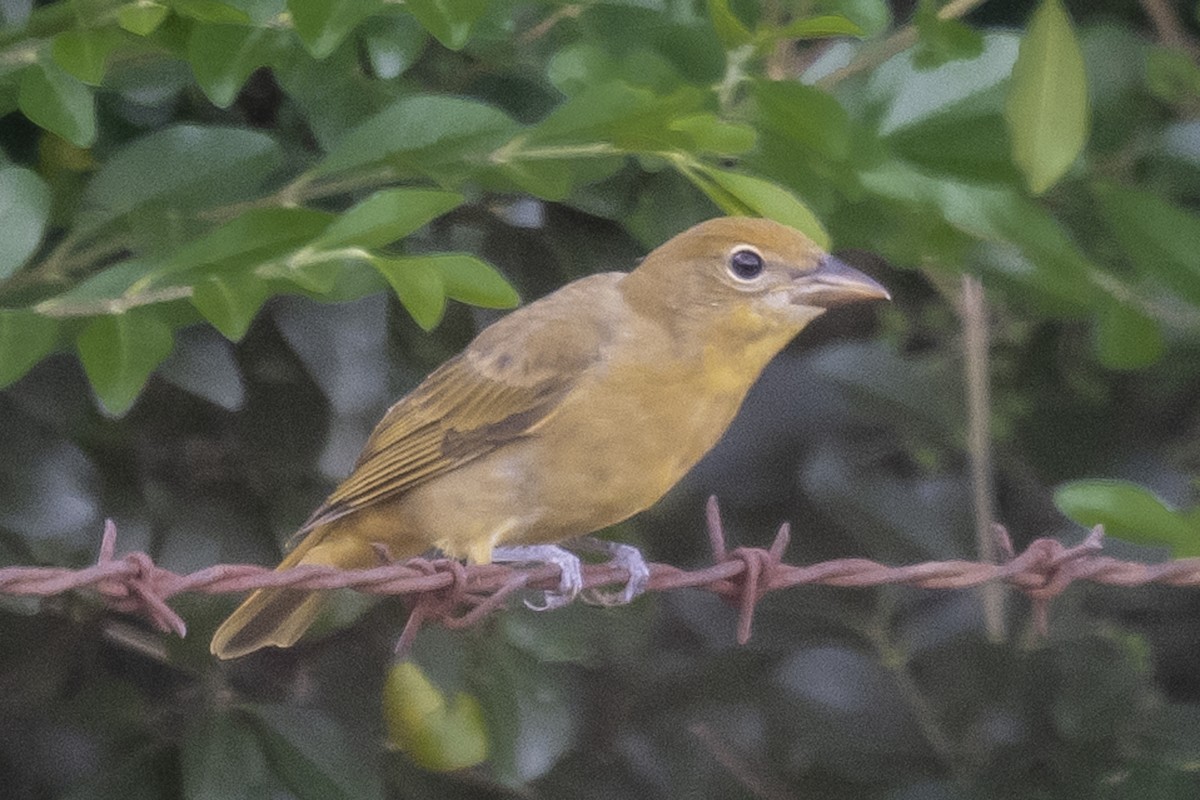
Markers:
229,226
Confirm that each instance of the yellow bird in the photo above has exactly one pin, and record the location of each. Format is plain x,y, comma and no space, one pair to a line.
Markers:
568,415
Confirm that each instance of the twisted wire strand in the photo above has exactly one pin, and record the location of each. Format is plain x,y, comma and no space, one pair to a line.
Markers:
457,595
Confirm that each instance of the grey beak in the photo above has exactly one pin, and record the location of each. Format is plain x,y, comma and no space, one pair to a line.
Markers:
835,282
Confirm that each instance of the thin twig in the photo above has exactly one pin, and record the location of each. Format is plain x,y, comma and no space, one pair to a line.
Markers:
545,26
973,311
871,56
758,784
923,712
1169,28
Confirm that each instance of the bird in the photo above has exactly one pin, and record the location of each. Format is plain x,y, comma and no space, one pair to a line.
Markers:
567,415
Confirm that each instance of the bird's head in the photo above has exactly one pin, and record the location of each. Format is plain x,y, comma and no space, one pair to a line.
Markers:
761,271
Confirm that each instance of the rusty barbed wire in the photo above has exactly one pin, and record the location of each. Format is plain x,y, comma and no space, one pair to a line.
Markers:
457,596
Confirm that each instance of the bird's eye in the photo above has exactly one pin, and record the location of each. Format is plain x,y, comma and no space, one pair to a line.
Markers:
745,264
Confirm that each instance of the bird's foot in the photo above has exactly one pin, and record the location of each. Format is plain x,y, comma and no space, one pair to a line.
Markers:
568,564
621,555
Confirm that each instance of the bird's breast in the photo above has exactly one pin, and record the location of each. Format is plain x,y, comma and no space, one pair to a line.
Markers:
615,448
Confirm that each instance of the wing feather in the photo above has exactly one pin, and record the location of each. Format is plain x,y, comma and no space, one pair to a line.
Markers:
507,382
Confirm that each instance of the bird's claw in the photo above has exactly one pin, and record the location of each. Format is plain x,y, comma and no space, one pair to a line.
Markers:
631,559
569,584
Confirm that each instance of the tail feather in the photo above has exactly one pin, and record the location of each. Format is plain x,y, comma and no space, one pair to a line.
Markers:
279,617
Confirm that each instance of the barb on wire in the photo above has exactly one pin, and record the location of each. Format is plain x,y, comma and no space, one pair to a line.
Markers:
457,596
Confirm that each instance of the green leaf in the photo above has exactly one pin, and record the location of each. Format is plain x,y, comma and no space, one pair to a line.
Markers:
223,56
710,134
84,52
393,45
619,116
316,278
1172,76
25,336
220,758
1127,338
141,17
323,24
420,131
25,208
1047,108
577,66
58,102
1160,239
334,95
748,195
119,351
804,115
450,21
312,755
418,284
386,216
819,27
943,40
645,47
182,166
963,142
1130,512
256,237
996,214
109,283
872,16
661,58
210,11
230,302
437,734
731,30
470,280
547,178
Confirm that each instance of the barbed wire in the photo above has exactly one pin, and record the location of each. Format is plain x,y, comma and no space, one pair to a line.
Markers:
455,595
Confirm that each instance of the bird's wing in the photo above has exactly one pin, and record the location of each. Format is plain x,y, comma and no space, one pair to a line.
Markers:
507,382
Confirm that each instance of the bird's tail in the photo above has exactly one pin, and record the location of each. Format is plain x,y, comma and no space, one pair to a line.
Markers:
281,616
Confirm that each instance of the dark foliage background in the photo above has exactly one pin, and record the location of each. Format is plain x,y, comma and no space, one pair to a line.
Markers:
230,231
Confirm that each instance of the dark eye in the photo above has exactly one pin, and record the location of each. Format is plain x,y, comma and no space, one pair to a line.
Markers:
745,265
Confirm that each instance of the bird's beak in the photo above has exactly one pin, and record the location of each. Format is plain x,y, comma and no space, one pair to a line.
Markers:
835,282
